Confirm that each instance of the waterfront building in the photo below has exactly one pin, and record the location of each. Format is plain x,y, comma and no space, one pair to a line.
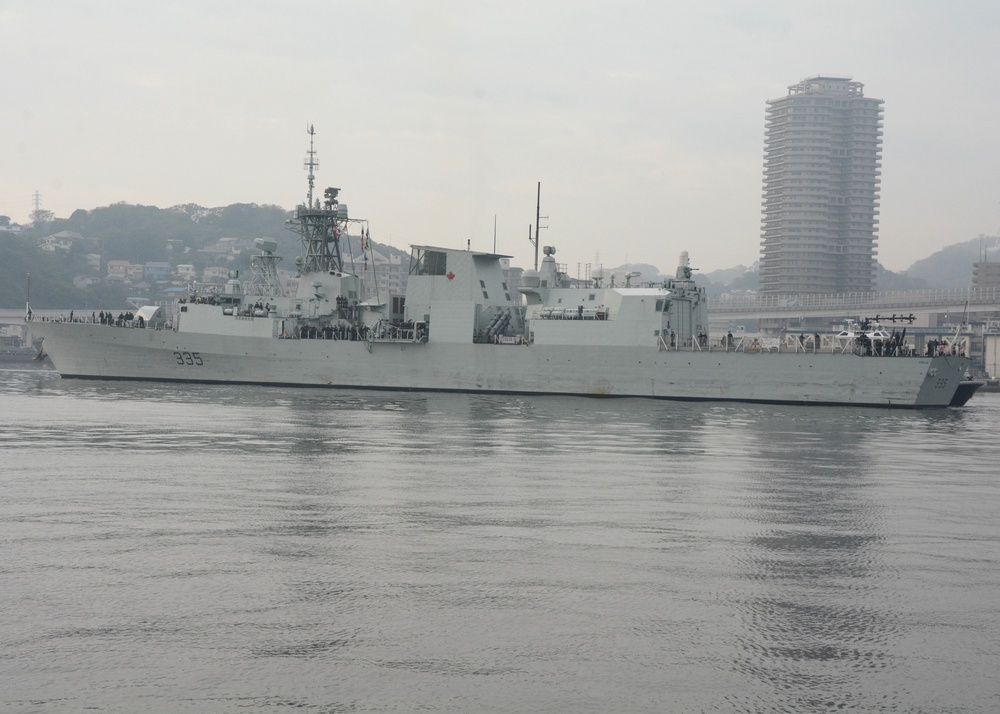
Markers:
821,187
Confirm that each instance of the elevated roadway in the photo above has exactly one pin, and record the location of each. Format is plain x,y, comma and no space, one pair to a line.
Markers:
898,302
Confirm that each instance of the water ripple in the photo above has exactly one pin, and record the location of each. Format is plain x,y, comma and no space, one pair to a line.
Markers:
172,547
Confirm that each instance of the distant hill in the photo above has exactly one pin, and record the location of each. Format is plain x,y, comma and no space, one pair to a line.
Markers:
887,281
50,284
646,273
142,234
951,267
726,276
138,234
743,278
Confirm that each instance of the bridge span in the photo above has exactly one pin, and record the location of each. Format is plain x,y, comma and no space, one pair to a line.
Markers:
762,307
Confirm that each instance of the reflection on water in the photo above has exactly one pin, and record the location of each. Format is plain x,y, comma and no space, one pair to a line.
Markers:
232,548
811,601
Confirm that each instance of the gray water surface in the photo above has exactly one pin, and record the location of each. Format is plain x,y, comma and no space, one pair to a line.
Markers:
229,549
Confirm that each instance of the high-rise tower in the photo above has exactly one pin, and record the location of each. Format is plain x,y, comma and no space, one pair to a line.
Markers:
822,156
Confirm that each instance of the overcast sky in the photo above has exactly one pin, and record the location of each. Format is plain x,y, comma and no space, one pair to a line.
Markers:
643,121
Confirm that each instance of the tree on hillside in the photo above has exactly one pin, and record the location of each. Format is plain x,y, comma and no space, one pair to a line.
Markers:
41,218
51,277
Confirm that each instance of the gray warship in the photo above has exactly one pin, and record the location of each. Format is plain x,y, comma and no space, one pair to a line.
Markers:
461,327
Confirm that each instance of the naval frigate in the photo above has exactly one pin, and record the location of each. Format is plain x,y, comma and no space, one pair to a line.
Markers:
460,326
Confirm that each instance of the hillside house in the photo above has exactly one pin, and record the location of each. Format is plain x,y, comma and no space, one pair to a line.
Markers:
186,272
84,281
63,241
118,269
224,250
215,275
155,270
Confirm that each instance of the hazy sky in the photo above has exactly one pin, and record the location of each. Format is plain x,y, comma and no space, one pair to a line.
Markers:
644,121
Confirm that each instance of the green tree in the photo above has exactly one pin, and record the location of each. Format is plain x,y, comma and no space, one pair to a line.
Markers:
41,218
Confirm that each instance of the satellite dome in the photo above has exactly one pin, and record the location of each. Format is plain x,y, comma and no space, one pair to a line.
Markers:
530,279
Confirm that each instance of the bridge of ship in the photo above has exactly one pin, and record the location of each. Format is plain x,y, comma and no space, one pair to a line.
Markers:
856,304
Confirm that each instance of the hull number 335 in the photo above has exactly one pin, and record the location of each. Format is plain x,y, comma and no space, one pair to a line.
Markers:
189,358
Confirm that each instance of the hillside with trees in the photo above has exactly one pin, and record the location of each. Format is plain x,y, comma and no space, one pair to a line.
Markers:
48,277
142,234
139,234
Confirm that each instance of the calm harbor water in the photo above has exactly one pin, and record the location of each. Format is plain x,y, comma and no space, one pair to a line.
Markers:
230,549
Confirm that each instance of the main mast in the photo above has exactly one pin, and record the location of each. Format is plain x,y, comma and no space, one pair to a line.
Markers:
538,224
321,224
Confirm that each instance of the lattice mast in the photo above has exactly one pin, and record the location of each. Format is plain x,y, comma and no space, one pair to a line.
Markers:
264,279
321,224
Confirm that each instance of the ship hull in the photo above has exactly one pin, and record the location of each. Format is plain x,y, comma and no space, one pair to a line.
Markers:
99,352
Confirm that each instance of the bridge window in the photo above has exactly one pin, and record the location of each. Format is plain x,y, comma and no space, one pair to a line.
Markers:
428,262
